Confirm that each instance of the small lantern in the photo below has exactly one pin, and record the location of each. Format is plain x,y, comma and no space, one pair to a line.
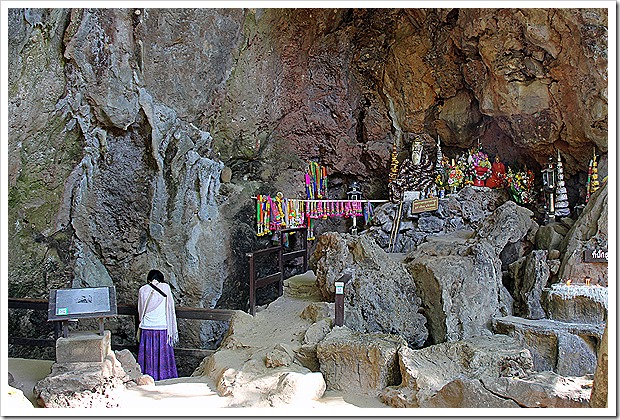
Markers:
549,183
549,176
354,192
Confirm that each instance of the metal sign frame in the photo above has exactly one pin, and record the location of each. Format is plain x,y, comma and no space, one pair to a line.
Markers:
87,302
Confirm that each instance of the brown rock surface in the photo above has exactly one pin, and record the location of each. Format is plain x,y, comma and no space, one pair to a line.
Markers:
359,363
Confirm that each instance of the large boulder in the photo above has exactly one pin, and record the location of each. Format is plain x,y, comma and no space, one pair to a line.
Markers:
590,232
576,303
427,371
467,393
483,372
381,297
542,389
460,280
82,385
359,363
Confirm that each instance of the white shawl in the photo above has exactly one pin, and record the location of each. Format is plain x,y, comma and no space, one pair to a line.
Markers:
156,300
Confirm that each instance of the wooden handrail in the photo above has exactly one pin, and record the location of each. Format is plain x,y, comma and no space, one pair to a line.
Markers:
183,312
256,283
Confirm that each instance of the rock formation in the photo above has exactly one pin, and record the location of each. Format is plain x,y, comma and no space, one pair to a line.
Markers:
359,363
460,279
381,297
479,372
84,385
463,211
590,231
600,389
262,360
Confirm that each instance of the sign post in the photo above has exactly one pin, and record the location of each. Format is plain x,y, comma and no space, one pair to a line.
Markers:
89,302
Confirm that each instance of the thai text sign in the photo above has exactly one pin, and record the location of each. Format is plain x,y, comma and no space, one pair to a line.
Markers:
88,302
428,204
595,255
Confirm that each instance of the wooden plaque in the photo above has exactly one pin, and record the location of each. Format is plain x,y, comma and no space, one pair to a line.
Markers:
428,204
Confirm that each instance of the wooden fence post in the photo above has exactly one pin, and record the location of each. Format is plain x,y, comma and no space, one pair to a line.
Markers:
252,285
339,299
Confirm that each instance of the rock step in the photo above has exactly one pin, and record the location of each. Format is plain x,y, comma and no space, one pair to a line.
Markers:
567,348
302,286
576,303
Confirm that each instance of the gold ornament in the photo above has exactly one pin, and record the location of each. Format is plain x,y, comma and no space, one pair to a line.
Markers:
394,164
594,184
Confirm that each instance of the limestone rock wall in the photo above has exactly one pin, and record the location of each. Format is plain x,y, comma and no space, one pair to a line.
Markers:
121,120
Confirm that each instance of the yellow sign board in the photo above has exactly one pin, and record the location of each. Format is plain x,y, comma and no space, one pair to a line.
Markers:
428,204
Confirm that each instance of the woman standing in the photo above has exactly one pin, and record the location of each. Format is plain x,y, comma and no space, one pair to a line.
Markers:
158,328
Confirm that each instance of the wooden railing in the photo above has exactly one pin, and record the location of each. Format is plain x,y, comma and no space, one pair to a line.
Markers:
283,257
182,312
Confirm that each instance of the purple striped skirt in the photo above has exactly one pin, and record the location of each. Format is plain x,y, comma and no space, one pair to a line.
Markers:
156,356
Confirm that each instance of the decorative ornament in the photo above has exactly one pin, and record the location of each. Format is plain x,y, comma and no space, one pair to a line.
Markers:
519,185
594,183
480,165
455,177
393,164
589,182
316,181
561,197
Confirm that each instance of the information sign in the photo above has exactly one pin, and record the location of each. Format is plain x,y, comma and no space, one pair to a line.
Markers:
88,302
595,255
428,204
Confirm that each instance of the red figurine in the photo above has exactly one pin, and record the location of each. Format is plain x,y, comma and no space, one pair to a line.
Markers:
498,175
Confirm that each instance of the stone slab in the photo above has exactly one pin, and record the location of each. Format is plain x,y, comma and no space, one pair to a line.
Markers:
568,349
83,346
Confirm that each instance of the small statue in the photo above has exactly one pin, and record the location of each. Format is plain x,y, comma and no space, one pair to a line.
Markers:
498,174
415,174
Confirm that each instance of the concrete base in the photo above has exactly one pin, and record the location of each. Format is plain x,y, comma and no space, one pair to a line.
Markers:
83,346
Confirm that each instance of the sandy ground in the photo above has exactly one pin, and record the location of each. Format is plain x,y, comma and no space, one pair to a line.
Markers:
181,396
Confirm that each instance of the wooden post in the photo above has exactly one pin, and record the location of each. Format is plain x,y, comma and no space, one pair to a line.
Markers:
305,246
252,285
281,265
65,328
339,299
57,330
